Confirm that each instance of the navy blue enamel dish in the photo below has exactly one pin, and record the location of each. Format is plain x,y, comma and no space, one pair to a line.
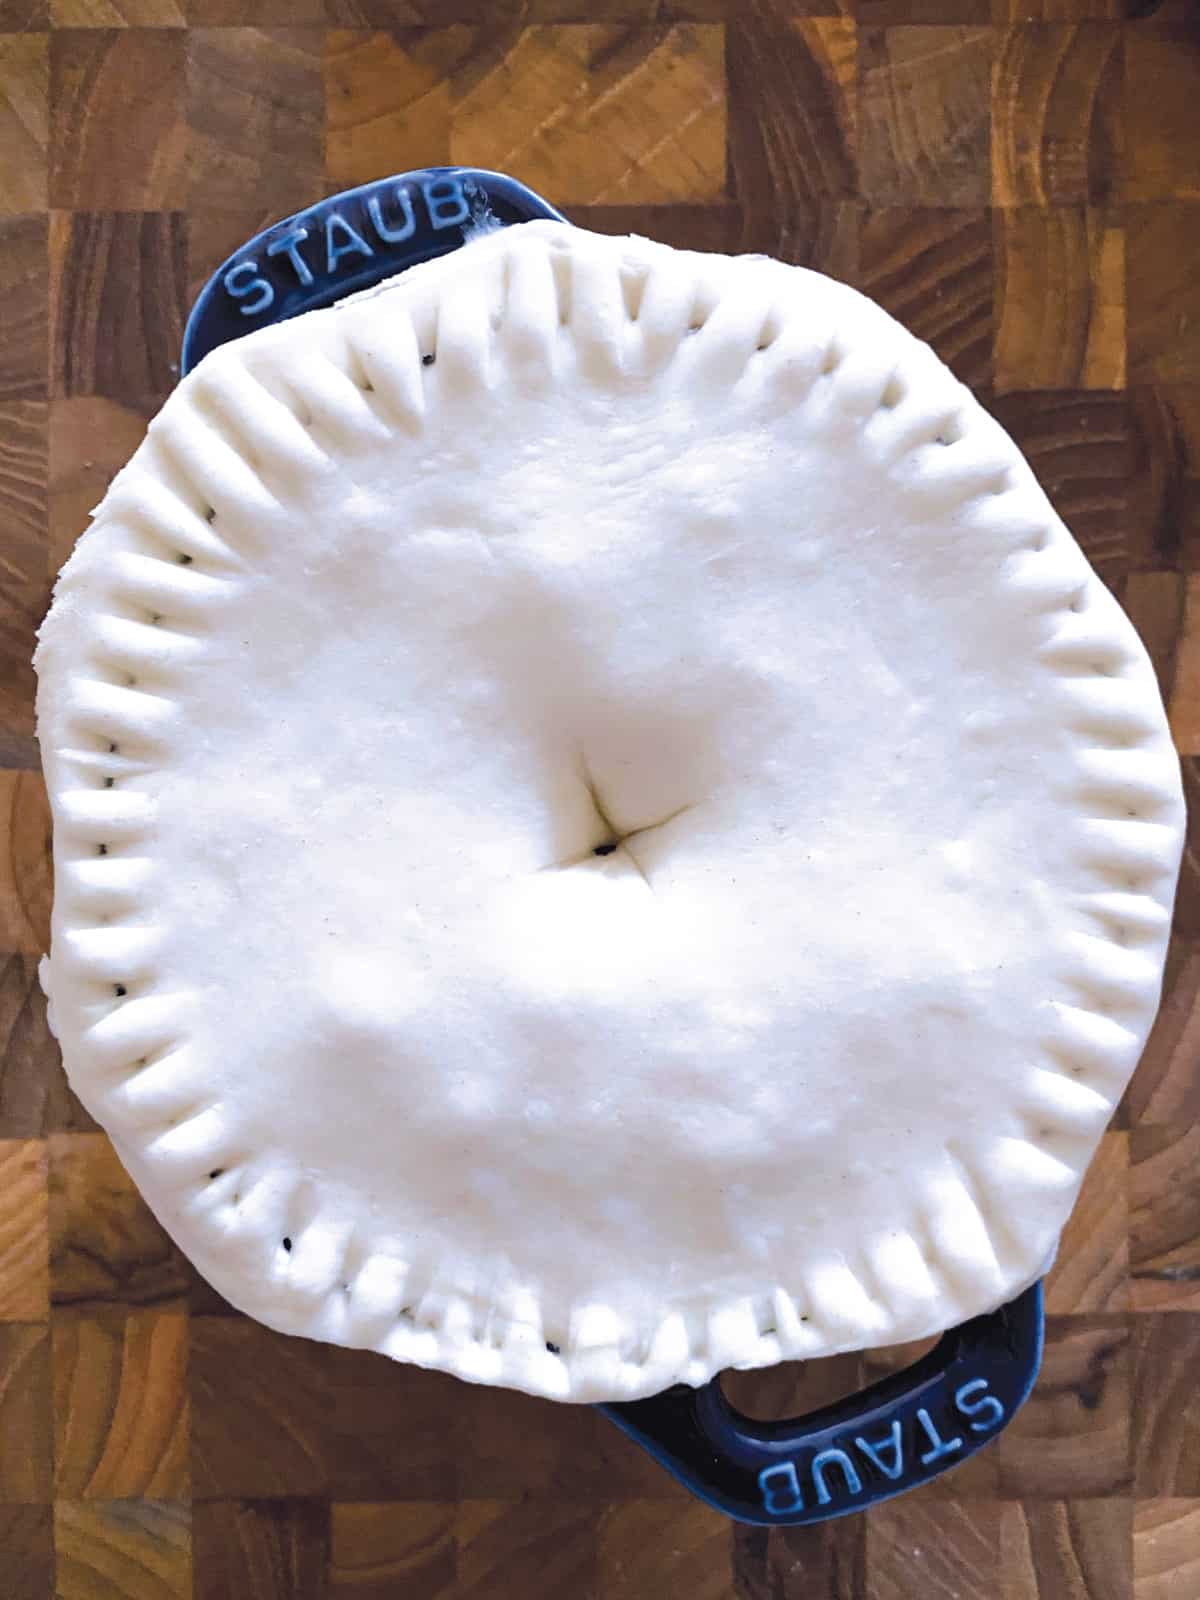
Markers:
892,1436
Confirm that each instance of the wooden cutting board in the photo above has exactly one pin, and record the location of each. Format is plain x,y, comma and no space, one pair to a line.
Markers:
1019,181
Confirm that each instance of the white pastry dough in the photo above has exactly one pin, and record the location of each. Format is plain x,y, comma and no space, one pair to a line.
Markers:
405,608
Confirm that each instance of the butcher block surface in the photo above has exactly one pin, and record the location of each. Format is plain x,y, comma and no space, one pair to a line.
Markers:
1019,182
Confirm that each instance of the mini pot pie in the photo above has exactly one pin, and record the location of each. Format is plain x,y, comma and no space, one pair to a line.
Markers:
604,829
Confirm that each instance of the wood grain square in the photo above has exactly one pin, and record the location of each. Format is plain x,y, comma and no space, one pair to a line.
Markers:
1081,445
260,1406
793,1388
1166,1404
1166,1549
924,115
540,1546
113,90
1164,1236
24,121
139,1550
24,1232
827,1559
24,591
599,114
652,1547
924,13
117,288
23,16
23,255
1184,703
26,1450
510,1444
1187,903
260,1550
120,1406
1092,1270
1071,1437
793,123
1154,602
26,883
28,1053
391,1432
1165,1089
117,13
91,439
382,1550
1060,299
23,472
932,269
106,1246
937,1548
1162,70
388,103
255,109
1163,246
1007,12
1056,126
715,227
26,1552
1066,1550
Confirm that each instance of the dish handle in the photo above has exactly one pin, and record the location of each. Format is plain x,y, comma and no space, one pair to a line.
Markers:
900,1432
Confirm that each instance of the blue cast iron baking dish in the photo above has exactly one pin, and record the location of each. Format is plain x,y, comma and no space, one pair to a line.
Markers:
887,1438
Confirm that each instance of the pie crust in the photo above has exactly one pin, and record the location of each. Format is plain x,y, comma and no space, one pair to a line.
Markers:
403,614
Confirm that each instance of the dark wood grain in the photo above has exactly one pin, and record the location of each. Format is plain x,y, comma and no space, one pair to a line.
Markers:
26,1552
28,1054
1162,64
372,1405
932,269
381,1550
1166,1404
793,125
118,282
1083,448
106,1247
648,1547
546,1546
1067,1550
262,1550
260,1406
